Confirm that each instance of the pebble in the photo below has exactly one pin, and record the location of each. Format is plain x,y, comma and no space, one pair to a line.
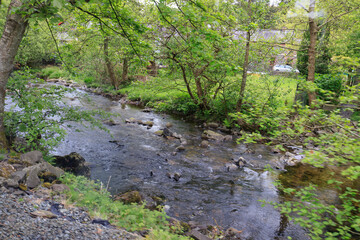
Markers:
16,221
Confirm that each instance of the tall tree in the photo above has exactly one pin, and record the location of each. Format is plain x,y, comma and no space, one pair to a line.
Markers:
14,29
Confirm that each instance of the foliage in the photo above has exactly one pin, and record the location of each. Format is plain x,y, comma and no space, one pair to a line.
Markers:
337,144
97,199
323,55
36,47
39,113
330,85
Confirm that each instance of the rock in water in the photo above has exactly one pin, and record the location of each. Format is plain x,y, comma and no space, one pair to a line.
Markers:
73,163
129,197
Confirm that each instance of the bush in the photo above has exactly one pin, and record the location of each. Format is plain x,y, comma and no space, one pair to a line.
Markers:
331,83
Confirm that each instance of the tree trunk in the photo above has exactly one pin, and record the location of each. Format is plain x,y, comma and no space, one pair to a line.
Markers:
108,64
14,30
312,49
125,71
245,70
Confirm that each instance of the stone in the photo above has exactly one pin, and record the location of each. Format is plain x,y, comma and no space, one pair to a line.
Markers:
183,141
211,135
43,214
11,183
6,170
241,162
19,176
159,132
146,110
47,176
129,197
232,233
73,163
176,176
227,138
32,173
130,120
60,188
204,144
149,123
2,181
167,132
180,148
213,125
197,235
32,158
168,125
111,122
231,167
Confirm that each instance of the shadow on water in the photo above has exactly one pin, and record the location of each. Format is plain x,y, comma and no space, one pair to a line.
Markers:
206,193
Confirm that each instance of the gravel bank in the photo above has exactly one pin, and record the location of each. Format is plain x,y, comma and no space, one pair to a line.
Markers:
16,221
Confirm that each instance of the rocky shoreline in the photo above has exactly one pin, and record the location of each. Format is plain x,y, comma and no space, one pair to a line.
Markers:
35,215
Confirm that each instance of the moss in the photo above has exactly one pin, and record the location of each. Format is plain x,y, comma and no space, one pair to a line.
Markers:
23,187
47,185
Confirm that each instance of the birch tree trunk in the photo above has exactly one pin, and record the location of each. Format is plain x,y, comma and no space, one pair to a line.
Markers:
10,40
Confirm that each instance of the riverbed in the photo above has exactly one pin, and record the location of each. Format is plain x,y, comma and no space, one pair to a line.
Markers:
133,157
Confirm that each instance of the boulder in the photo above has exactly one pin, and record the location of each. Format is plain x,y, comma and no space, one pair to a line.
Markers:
32,158
168,125
19,176
6,170
33,172
73,163
129,197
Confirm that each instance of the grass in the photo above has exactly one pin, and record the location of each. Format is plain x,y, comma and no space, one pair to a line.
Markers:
86,193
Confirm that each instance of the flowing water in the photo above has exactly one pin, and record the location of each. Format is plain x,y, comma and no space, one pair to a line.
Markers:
206,193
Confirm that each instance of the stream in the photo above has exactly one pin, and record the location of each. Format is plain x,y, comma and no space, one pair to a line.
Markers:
206,193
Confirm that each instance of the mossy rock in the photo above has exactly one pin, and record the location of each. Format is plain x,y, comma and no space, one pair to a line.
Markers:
23,187
129,197
47,185
47,176
6,170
